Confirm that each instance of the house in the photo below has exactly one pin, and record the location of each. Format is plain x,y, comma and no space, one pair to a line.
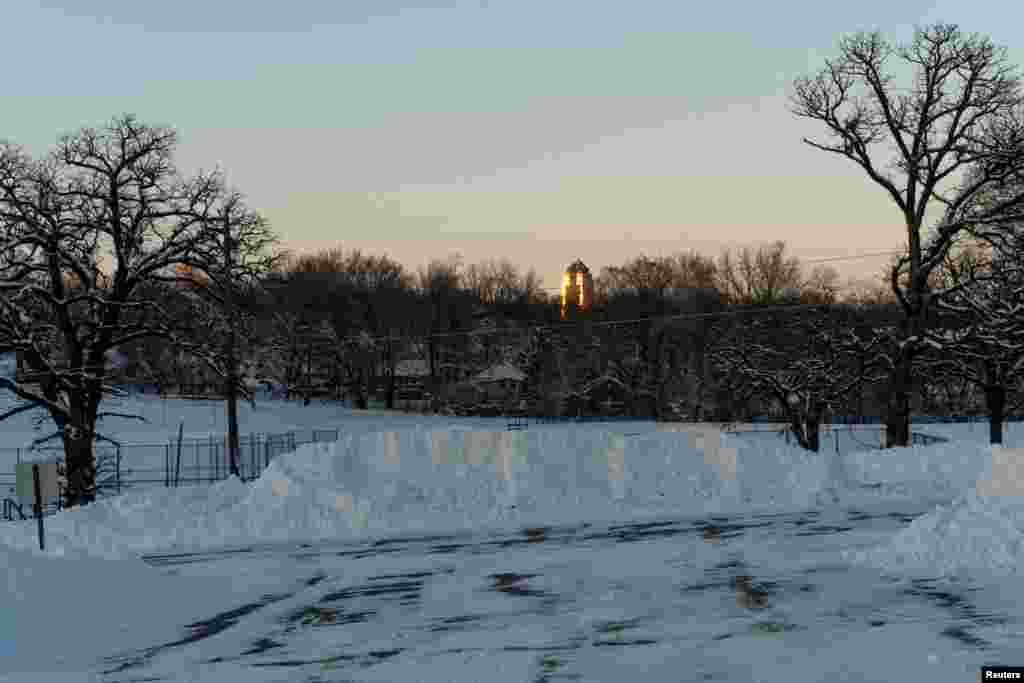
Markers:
411,377
501,382
606,395
411,373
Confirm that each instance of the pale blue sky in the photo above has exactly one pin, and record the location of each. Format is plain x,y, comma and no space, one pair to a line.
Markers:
540,131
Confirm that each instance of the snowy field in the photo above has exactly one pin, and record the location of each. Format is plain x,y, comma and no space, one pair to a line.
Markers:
201,418
398,553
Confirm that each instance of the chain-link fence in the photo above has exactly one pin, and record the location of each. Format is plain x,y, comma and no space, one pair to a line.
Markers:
190,462
839,436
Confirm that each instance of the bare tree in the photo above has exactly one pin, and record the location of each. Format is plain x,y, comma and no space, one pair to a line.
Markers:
439,283
368,301
985,344
107,212
963,112
694,271
642,274
233,259
499,283
757,277
810,364
865,291
820,287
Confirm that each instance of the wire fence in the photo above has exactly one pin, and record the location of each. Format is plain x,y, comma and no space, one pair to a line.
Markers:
190,462
863,435
203,461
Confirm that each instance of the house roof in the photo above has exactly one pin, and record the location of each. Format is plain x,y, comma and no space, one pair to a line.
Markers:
500,372
416,367
603,379
419,367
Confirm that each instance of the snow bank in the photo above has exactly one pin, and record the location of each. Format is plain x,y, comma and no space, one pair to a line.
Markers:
919,472
973,533
423,480
980,530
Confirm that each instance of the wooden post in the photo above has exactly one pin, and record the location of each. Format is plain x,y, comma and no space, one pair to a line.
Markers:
177,467
39,503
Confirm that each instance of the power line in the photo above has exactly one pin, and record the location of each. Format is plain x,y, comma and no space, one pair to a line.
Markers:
602,323
894,252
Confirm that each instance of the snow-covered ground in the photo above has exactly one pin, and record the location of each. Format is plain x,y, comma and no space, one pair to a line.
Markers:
201,418
390,477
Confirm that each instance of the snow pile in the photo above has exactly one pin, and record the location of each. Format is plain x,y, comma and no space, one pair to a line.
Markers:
919,472
418,480
973,533
422,478
134,522
980,530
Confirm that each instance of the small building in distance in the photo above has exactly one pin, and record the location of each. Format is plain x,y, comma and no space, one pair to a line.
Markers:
501,382
577,289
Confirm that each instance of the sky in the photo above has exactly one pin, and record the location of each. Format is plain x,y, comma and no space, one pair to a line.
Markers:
538,131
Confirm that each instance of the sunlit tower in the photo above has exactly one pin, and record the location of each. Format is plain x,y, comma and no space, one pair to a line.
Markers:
577,289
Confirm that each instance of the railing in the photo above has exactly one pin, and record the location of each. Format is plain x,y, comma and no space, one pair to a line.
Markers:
517,423
564,419
922,439
11,506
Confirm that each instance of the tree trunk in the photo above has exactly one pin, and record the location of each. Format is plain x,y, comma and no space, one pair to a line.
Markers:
897,419
995,401
806,427
658,374
80,467
390,360
232,404
813,429
362,393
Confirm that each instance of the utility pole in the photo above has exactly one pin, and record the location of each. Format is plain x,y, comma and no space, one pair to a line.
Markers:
232,373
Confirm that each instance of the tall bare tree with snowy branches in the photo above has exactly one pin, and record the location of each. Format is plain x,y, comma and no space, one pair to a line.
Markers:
957,134
85,233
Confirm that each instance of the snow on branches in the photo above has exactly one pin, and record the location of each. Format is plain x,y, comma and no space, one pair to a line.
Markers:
808,363
87,237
